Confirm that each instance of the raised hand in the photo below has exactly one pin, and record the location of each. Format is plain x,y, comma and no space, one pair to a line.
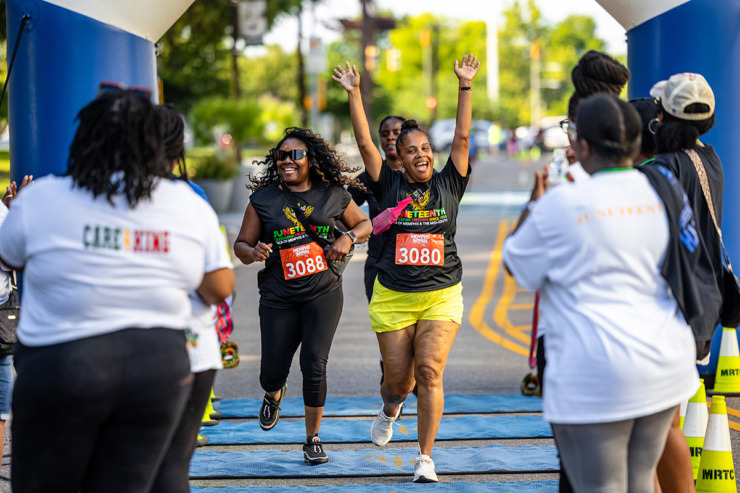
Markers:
11,191
468,68
348,77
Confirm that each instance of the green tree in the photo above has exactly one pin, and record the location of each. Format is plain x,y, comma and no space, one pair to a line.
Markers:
425,69
566,43
274,73
522,28
194,56
560,46
195,53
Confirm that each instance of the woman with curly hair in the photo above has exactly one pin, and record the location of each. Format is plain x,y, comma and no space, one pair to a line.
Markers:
300,296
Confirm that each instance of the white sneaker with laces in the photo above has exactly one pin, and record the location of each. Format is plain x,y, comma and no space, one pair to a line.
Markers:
424,470
381,430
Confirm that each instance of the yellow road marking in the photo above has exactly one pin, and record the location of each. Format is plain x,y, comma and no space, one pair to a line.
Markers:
477,313
521,306
733,412
734,426
501,313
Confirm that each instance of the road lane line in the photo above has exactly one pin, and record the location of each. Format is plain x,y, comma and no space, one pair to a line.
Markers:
521,306
501,312
733,412
477,313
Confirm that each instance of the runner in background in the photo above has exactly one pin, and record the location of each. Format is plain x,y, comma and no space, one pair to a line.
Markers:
390,128
300,296
416,308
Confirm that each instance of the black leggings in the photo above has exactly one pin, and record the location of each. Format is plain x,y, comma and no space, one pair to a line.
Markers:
96,414
371,272
173,473
312,326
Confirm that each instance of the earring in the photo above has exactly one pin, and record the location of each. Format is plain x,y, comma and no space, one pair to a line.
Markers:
653,125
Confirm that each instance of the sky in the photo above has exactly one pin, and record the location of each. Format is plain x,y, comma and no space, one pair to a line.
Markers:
284,32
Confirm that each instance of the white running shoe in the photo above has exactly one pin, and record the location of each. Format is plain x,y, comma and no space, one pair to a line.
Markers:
424,470
381,430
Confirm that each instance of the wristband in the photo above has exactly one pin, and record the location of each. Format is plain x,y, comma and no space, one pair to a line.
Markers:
465,88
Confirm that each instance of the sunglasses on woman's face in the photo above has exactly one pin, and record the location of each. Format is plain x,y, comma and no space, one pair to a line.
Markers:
294,154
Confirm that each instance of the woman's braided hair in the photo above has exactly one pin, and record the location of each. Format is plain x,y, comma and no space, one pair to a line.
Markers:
596,72
117,148
324,163
173,137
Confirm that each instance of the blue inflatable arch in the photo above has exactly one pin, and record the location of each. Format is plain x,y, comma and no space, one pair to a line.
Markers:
67,48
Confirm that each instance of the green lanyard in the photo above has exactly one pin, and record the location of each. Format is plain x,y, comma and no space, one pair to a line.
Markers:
612,170
645,162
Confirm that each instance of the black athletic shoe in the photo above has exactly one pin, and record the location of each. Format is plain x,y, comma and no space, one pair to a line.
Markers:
313,452
270,410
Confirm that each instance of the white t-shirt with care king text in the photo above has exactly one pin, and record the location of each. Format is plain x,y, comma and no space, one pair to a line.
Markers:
617,346
92,268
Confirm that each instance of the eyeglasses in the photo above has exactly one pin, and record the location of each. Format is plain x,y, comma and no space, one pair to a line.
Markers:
564,125
572,131
294,154
107,87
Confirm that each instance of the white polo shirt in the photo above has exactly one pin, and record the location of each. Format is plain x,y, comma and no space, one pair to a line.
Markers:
617,346
93,268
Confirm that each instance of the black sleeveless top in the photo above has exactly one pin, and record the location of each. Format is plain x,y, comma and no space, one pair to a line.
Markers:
281,284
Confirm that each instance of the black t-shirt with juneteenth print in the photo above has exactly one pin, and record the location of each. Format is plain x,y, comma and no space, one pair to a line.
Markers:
296,271
419,252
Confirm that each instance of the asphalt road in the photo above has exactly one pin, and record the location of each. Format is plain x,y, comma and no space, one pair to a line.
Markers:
489,354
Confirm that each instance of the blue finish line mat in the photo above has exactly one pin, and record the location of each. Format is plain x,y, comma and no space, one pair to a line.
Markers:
369,406
336,431
493,458
455,487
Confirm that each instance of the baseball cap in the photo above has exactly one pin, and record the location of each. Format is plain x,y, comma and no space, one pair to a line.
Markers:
682,90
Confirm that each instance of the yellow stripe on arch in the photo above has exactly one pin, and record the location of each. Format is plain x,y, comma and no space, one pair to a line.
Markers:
477,313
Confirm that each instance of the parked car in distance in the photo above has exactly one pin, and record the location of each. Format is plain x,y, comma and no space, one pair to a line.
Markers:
442,131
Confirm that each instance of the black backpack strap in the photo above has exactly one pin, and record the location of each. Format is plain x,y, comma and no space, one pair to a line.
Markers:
293,204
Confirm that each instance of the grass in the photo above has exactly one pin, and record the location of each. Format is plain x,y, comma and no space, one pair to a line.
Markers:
4,171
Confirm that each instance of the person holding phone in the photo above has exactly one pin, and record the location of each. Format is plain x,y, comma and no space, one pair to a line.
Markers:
619,350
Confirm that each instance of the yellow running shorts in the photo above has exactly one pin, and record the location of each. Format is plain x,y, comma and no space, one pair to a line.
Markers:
393,310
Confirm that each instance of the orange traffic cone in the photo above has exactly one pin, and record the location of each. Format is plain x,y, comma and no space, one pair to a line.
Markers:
695,425
728,366
717,471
